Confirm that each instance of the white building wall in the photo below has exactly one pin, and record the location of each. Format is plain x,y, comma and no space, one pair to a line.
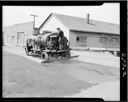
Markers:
72,39
54,23
93,40
26,29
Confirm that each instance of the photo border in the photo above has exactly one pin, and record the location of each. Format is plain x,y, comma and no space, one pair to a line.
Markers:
123,46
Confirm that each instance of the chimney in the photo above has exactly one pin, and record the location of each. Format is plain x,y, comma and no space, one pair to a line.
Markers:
88,18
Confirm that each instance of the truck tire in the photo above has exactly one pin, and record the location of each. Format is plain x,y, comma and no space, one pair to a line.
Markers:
44,57
27,52
115,53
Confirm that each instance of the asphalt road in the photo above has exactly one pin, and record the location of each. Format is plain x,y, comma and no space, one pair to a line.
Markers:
25,78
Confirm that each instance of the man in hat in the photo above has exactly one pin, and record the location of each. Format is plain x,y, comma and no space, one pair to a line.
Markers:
60,32
62,39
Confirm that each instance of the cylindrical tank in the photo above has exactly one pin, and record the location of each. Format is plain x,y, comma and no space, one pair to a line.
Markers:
40,39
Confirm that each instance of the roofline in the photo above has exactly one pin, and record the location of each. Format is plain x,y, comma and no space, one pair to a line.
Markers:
17,24
79,30
90,19
95,32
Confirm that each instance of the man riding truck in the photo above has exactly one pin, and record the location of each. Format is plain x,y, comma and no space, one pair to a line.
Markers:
62,40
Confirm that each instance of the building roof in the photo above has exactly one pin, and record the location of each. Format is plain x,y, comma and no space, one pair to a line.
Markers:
19,24
80,24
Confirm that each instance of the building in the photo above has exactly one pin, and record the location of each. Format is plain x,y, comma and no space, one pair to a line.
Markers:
17,34
84,32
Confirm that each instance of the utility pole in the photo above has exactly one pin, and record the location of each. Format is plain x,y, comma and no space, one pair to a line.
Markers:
34,20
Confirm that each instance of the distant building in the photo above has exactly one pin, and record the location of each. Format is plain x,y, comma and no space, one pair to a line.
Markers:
84,32
17,34
81,32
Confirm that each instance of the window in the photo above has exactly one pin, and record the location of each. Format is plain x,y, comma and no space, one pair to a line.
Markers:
8,39
20,38
103,40
77,38
114,41
118,40
12,39
81,41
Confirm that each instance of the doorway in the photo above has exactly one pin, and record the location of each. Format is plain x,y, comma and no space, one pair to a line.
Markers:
13,40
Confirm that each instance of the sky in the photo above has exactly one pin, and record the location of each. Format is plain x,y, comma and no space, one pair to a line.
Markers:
108,12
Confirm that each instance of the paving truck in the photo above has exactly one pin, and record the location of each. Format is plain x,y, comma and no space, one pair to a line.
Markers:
48,47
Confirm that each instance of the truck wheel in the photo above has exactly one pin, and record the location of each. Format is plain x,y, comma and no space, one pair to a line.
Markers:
44,57
68,54
115,53
27,52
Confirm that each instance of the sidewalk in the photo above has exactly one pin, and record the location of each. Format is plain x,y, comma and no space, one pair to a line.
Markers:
100,58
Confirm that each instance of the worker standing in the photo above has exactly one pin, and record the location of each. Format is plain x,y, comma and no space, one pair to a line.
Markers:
60,32
60,35
62,39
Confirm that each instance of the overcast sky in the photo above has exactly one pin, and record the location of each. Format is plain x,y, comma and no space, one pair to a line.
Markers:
108,12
